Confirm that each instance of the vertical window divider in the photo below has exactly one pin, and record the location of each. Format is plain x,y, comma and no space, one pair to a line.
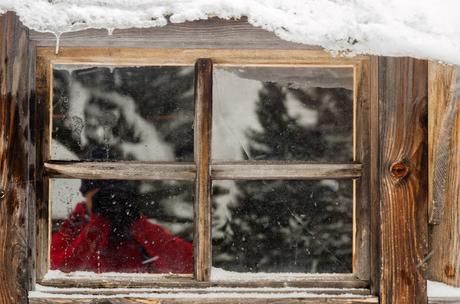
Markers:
202,150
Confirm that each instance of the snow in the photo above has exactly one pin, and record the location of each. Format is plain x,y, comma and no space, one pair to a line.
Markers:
209,292
441,290
218,274
417,28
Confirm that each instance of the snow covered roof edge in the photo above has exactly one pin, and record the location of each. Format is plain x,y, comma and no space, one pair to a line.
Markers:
417,28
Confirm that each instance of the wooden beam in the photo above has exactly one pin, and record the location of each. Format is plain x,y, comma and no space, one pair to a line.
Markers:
263,170
121,170
212,33
14,157
444,164
216,300
202,148
403,179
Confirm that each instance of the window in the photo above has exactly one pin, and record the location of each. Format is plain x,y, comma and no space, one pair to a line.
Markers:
258,160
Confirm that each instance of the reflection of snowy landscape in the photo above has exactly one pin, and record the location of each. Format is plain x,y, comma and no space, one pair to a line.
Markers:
261,226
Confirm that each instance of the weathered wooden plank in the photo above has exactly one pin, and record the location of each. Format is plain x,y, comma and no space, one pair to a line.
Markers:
362,154
175,56
202,148
403,179
216,300
446,300
255,170
202,290
444,100
444,121
121,170
212,33
14,178
139,281
374,187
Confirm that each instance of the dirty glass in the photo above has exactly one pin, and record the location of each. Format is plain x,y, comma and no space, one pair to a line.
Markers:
282,226
122,113
276,113
121,226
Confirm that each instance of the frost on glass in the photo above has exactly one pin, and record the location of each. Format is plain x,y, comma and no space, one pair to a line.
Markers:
283,226
281,113
121,226
122,113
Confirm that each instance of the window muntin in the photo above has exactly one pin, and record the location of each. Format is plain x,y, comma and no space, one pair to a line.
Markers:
226,170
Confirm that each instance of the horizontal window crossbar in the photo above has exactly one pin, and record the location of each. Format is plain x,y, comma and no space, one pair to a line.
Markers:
248,170
283,170
121,170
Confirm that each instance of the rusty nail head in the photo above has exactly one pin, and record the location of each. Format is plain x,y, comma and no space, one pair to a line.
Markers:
399,169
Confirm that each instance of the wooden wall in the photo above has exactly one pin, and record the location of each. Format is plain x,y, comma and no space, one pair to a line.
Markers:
14,160
400,235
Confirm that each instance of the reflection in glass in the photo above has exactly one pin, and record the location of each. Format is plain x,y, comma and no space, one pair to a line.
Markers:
283,226
128,113
274,113
121,226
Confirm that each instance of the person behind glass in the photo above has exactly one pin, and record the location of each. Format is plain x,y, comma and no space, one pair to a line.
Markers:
108,233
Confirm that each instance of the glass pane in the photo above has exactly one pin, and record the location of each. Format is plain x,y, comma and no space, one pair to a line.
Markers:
283,226
123,113
273,113
121,226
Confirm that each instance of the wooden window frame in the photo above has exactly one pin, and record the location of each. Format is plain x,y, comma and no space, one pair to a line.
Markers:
203,171
398,142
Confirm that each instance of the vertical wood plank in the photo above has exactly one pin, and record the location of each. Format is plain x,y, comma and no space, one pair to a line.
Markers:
42,137
403,179
202,146
14,136
362,208
374,198
444,169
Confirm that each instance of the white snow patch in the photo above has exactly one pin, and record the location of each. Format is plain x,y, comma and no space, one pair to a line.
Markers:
418,28
219,274
441,290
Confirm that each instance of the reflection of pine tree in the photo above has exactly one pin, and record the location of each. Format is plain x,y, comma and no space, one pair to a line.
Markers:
163,97
292,226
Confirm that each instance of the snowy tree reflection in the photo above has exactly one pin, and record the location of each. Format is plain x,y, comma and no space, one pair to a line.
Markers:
289,226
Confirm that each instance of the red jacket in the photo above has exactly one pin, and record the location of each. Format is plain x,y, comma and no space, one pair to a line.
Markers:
83,244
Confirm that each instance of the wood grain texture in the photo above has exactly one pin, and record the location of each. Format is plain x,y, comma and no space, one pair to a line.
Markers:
374,187
202,148
212,33
362,207
310,281
403,179
122,170
444,300
257,170
217,300
444,263
443,104
188,57
14,179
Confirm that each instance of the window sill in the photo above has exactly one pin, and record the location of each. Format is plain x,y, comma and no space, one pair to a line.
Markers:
265,295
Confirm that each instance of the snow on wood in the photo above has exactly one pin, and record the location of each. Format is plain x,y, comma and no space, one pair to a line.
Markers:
416,28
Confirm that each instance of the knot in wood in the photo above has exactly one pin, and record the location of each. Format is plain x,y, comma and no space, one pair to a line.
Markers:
2,193
399,169
449,270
